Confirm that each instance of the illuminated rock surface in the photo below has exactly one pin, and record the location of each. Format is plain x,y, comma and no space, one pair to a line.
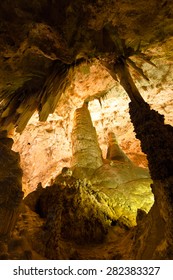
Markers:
44,138
51,59
85,148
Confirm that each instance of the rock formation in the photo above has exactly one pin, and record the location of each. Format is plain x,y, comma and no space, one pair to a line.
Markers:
48,49
82,211
155,141
10,185
114,152
86,152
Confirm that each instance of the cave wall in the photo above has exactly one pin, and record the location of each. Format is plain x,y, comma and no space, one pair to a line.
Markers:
10,185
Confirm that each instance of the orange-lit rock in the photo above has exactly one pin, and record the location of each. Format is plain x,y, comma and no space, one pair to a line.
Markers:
47,45
52,139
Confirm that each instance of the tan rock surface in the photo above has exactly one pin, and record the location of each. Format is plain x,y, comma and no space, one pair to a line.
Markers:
52,139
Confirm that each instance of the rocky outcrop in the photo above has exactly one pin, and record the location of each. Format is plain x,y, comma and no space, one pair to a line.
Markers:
79,211
76,212
72,212
10,185
127,189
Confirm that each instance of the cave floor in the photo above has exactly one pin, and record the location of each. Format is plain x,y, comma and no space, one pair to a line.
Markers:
115,246
28,236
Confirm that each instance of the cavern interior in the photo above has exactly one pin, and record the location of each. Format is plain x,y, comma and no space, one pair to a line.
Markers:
86,153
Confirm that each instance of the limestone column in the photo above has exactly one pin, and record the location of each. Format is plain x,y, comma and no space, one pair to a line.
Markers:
156,141
85,148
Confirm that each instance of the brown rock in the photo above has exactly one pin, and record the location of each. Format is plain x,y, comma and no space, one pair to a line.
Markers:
10,186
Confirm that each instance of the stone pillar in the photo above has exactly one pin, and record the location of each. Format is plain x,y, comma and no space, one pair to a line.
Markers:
114,152
85,148
10,185
156,141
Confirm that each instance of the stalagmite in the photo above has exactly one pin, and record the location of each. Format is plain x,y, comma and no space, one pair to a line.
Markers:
86,152
114,152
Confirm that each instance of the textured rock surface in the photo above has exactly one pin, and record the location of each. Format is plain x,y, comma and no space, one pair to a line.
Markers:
68,30
45,142
112,116
127,188
42,38
75,210
161,172
85,148
25,242
10,185
114,152
156,140
152,238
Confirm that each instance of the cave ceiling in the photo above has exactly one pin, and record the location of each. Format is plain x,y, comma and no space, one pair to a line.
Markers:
41,40
37,35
